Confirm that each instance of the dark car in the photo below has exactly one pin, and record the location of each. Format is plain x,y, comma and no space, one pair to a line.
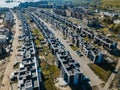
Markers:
86,79
79,53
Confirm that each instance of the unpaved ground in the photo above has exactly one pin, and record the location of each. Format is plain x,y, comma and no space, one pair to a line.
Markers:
12,60
118,45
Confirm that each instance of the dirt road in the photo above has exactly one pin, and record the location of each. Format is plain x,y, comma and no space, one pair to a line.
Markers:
12,59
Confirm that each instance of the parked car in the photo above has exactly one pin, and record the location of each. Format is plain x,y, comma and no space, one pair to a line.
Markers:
86,79
79,53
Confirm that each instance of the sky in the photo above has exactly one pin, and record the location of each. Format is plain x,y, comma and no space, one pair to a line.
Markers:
10,5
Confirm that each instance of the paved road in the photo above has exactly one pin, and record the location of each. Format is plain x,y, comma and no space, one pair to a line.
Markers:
84,67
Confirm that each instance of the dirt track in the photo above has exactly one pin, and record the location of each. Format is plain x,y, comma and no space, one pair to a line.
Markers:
12,58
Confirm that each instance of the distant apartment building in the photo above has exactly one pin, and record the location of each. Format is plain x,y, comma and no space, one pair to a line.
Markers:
60,11
77,12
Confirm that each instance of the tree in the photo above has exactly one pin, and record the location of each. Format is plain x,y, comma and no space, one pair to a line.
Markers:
116,28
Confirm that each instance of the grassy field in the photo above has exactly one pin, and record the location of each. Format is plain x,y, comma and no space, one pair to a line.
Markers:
39,35
45,50
102,73
50,72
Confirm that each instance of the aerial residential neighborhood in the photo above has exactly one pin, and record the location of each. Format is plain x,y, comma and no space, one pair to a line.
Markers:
60,45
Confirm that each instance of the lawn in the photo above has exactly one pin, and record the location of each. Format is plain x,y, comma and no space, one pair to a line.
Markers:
76,21
50,72
37,42
87,39
74,48
45,50
39,35
50,56
102,73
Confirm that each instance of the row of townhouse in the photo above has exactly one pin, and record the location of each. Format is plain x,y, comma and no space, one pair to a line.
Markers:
70,69
60,11
105,41
76,12
91,52
29,77
94,54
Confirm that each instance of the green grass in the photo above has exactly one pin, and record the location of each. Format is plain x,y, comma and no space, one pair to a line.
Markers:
87,39
50,56
45,49
37,42
39,35
102,73
50,72
74,48
76,21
